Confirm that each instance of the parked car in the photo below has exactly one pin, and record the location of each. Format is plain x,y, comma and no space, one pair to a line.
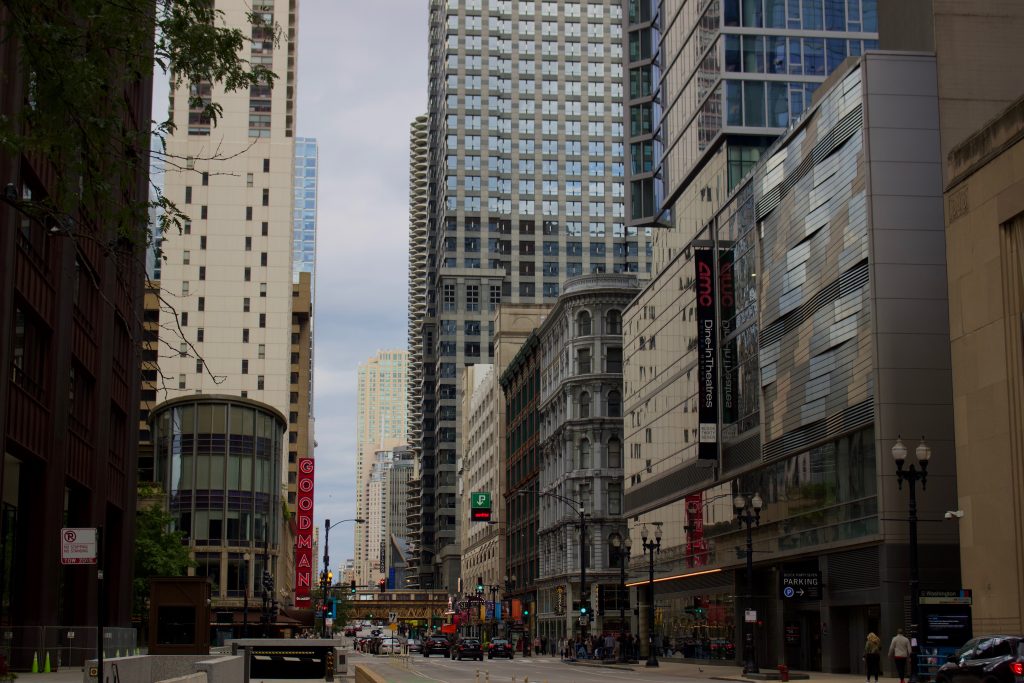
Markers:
988,659
467,648
500,648
435,645
388,645
350,631
413,646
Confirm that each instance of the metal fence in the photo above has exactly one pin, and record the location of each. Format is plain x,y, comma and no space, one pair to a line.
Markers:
28,648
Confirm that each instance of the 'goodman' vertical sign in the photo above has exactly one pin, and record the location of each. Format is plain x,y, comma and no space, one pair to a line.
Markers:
707,381
304,533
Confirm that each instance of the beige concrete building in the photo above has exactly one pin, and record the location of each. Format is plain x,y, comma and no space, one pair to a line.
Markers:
226,278
479,471
381,425
985,258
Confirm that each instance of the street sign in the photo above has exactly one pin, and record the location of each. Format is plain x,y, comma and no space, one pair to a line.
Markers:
480,506
957,597
799,585
78,546
750,616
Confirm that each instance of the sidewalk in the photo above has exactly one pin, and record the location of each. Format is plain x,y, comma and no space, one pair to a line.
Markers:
720,672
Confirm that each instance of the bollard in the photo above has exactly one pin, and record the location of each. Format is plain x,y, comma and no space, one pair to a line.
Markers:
783,673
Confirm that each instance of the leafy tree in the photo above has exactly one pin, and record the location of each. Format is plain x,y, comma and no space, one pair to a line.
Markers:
158,552
84,65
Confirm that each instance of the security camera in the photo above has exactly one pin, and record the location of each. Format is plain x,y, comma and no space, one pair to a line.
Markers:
954,514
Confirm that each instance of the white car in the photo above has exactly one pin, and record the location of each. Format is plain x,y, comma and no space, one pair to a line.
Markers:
389,646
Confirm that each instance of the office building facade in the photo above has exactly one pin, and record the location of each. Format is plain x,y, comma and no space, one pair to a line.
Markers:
527,181
479,471
580,456
304,210
819,291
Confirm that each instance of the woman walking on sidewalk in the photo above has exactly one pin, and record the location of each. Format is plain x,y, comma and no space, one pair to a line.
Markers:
873,656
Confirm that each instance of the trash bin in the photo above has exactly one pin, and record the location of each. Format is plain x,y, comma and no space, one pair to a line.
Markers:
783,673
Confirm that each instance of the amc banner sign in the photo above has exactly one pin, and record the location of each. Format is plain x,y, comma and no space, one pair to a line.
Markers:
304,533
707,356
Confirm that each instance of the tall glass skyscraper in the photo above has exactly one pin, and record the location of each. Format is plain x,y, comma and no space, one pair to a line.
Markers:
711,86
527,180
304,216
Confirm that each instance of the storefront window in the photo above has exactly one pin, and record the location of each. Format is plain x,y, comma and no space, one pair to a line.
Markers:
699,626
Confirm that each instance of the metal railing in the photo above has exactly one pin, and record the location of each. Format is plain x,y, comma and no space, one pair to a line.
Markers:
29,647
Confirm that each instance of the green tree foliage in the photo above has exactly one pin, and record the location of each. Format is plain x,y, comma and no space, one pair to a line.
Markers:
158,552
84,65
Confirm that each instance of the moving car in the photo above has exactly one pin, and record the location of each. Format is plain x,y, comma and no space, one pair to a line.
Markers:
389,646
413,646
468,648
435,645
500,648
988,659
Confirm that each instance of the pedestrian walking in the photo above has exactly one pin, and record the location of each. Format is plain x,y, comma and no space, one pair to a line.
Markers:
899,650
872,657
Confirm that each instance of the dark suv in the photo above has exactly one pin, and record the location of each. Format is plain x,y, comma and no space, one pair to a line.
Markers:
499,648
989,659
435,645
469,648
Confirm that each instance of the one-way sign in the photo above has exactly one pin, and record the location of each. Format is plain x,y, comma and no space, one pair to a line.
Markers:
800,585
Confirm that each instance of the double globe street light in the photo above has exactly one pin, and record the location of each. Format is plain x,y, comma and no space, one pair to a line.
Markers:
651,547
912,476
620,553
748,512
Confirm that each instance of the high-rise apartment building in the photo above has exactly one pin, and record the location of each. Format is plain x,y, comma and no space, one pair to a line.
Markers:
304,215
228,274
387,493
711,85
527,187
419,150
381,424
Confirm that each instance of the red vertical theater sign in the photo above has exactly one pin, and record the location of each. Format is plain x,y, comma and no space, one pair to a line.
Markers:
304,536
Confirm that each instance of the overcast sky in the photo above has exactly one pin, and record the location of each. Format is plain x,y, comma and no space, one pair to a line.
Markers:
362,80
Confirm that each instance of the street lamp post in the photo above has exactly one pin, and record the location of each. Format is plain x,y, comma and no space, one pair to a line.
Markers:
651,547
621,551
327,563
912,476
748,512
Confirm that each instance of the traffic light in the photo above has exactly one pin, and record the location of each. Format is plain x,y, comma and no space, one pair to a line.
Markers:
584,610
479,584
331,608
382,585
526,612
352,587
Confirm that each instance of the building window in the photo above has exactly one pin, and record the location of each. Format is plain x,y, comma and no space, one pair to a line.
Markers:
263,289
261,351
245,366
582,361
248,243
266,196
614,453
188,194
186,257
203,212
614,498
245,305
247,275
184,319
495,297
585,458
583,326
613,359
202,242
472,297
584,405
200,334
614,404
183,349
263,319
181,381
260,382
448,297
245,335
248,179
206,178
265,228
263,259
202,272
202,303
266,165
613,322
199,365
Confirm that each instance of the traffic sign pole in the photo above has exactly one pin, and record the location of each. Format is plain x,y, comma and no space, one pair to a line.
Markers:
100,603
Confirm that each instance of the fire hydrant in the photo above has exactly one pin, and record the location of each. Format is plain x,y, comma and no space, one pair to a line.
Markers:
783,673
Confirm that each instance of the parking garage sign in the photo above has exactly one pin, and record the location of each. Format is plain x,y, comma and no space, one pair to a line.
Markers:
78,546
800,585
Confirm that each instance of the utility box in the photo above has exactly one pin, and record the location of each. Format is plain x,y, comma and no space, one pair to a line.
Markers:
179,615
